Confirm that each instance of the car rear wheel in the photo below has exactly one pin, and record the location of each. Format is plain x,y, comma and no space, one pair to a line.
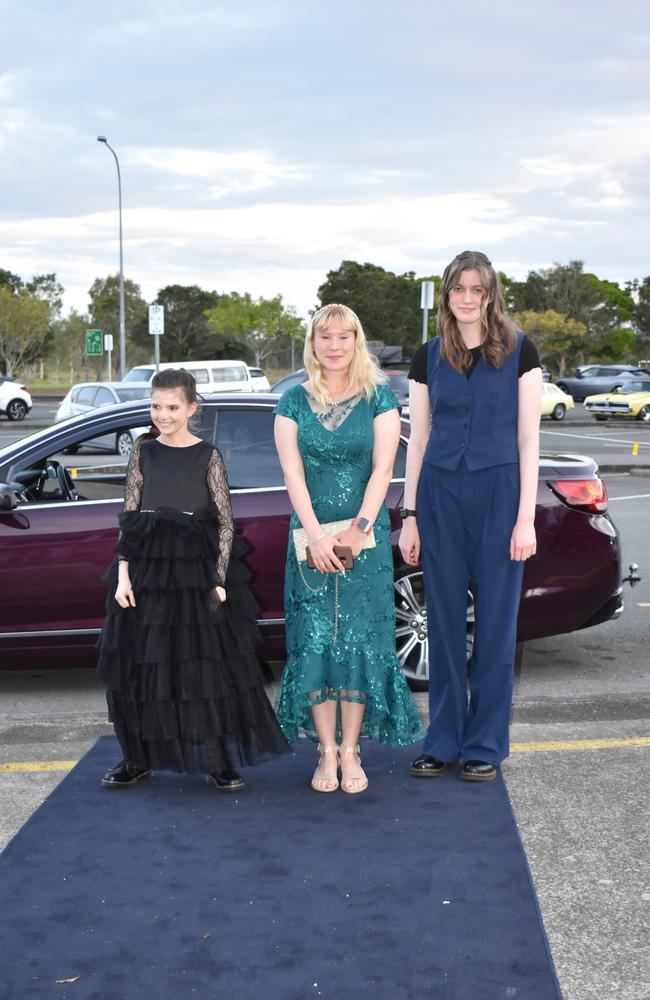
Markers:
644,414
124,444
559,411
17,409
412,644
599,416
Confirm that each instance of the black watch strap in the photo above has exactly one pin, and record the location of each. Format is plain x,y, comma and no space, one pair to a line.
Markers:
405,512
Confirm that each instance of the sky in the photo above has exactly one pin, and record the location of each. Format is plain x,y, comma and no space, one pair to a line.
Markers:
261,144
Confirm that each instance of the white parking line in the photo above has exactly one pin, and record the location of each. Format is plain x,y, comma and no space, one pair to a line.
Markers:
594,437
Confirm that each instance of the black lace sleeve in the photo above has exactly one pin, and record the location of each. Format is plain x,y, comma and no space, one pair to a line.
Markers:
134,480
132,488
220,494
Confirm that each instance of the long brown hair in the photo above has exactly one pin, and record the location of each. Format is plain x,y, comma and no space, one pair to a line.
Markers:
499,332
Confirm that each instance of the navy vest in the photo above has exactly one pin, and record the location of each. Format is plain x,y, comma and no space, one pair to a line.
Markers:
473,418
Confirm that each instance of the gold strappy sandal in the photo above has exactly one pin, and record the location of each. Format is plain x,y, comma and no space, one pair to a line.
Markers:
353,785
334,781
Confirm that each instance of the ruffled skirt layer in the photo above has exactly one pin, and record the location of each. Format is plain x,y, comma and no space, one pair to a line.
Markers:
184,685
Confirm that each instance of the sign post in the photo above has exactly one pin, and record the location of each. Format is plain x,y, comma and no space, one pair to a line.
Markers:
426,303
108,347
156,329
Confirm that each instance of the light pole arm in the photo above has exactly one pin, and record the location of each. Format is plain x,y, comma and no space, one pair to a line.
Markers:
122,318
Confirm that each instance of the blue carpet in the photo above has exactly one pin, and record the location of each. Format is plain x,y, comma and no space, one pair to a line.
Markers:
171,890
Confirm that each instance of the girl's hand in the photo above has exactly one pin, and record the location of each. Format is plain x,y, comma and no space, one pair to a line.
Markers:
322,553
353,538
409,542
523,543
124,594
221,594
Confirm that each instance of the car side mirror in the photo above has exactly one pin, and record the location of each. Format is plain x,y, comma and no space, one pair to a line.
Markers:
7,497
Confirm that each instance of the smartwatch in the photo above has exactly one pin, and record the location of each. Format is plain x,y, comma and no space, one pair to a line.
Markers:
363,524
405,512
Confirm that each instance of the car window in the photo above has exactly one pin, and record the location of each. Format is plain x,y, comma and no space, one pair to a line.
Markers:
296,378
399,384
399,467
86,395
245,439
90,465
256,372
125,395
103,396
234,373
201,375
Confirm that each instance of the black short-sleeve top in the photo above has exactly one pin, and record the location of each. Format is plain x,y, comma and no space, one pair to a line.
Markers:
528,359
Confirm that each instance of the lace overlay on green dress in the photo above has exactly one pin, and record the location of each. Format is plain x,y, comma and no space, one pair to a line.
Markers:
356,662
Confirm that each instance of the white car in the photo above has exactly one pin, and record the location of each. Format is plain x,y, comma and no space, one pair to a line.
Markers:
259,381
86,396
15,400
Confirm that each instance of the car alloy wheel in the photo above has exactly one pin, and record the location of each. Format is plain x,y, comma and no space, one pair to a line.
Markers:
17,409
559,411
412,644
124,444
644,414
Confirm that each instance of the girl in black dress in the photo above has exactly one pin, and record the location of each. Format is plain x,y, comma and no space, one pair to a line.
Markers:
178,648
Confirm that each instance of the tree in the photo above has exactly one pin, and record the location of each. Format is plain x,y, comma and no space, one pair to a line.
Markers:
265,326
104,294
187,332
23,327
558,337
602,306
387,304
641,318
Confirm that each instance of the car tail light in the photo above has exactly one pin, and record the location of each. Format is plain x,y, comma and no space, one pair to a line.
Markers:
590,494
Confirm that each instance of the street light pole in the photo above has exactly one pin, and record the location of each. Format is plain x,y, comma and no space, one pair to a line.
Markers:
102,138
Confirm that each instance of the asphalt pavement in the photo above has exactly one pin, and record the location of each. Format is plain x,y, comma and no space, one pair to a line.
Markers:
577,772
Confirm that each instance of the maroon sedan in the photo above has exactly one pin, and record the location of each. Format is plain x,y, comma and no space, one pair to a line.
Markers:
60,496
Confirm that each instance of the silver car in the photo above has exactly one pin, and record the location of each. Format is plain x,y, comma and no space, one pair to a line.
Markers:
85,396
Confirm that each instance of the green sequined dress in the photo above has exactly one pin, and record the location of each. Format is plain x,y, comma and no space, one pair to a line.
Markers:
349,656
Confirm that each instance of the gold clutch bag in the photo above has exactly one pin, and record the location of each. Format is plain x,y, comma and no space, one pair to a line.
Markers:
301,541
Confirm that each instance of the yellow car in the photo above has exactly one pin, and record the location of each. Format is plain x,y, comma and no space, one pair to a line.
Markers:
555,403
629,400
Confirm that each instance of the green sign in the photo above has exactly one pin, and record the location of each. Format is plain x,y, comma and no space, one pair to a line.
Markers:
94,342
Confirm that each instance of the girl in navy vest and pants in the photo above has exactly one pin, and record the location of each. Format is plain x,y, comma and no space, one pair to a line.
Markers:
471,486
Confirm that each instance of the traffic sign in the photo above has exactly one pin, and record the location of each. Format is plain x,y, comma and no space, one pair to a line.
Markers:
156,320
94,342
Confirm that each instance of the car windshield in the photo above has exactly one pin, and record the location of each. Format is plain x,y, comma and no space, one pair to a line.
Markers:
631,387
125,395
138,375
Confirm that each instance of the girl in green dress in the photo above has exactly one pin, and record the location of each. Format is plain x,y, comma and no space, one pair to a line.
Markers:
337,435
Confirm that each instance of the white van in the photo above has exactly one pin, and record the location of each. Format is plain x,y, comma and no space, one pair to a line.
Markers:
211,376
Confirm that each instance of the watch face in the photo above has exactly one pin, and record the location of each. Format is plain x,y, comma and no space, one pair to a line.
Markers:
363,524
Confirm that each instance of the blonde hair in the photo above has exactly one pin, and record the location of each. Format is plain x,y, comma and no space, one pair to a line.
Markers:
499,332
364,374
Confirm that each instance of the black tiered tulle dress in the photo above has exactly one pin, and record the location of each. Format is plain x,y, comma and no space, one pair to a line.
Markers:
184,685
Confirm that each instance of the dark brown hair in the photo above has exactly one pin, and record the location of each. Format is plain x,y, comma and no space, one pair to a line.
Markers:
499,332
176,378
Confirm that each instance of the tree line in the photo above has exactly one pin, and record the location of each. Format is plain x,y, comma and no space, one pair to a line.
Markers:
573,317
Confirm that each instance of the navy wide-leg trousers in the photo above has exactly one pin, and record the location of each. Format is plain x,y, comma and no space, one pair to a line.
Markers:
465,520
